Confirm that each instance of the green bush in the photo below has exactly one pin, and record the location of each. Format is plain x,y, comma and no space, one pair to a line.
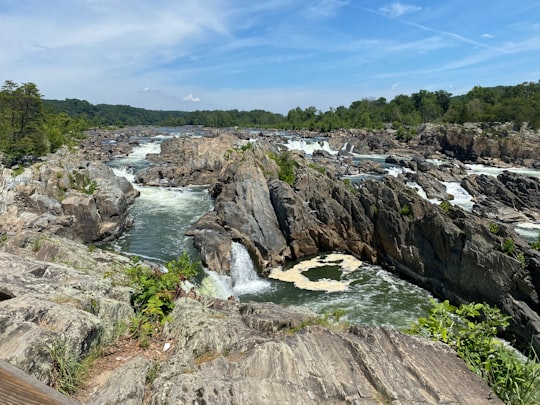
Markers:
536,245
287,166
155,294
471,330
406,211
494,228
508,246
446,206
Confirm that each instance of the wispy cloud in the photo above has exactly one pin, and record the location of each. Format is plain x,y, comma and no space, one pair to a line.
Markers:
324,8
396,9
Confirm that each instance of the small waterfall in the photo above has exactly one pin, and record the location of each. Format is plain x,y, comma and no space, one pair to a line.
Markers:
244,277
461,197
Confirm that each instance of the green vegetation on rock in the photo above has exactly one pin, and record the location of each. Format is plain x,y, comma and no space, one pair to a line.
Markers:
287,166
155,294
471,330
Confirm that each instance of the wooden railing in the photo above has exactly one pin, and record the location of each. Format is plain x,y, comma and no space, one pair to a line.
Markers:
18,388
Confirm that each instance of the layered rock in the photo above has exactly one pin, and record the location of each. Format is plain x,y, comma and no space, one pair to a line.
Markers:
68,196
188,161
46,306
455,255
509,197
277,221
258,353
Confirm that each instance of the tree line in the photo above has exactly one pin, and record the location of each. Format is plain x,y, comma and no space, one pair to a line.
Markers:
31,126
518,104
27,128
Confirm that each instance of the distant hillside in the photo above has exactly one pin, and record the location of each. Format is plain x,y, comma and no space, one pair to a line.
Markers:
517,104
125,115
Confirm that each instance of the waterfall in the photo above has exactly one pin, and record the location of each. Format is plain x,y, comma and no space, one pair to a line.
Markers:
244,277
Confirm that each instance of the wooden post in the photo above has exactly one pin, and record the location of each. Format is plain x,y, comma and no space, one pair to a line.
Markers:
18,388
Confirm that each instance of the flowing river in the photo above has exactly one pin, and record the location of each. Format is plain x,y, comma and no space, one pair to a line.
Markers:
367,294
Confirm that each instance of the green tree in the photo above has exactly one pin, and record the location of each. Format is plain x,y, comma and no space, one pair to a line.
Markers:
21,121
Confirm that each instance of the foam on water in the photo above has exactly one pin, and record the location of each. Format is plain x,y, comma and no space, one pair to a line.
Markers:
528,230
138,154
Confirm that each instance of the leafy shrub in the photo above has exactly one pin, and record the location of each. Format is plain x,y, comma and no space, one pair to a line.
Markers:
155,294
494,228
287,166
446,206
471,330
246,146
508,246
536,245
406,211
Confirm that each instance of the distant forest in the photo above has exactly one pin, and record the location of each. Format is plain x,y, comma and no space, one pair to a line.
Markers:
517,104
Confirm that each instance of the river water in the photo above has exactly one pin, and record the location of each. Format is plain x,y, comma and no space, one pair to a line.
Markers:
367,294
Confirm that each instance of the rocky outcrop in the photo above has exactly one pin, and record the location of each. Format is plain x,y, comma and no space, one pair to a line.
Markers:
49,309
188,161
473,142
277,221
66,195
455,255
259,353
509,197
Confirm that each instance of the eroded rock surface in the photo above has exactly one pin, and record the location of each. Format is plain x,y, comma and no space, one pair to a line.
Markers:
258,354
68,196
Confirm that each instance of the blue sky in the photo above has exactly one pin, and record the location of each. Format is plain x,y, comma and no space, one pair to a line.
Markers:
273,55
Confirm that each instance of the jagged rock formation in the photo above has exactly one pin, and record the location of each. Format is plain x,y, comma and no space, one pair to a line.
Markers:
508,197
277,222
68,196
221,351
485,143
188,161
455,254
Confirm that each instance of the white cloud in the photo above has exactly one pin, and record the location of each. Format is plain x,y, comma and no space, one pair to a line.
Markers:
397,9
192,99
488,36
